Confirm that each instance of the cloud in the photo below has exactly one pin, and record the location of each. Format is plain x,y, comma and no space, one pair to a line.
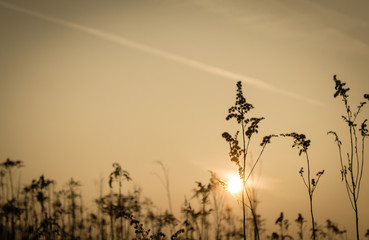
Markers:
160,53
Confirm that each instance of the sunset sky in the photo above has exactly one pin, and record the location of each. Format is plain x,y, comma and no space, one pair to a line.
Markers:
88,83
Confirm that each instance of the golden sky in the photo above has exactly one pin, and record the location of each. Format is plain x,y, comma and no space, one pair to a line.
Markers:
88,83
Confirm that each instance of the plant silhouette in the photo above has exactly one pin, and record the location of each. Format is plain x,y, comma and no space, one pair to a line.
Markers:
42,209
239,150
300,222
302,143
352,168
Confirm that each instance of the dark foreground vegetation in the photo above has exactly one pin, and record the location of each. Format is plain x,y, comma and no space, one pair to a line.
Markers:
38,210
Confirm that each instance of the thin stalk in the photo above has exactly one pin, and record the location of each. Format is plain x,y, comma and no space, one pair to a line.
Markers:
49,200
310,195
166,185
18,187
254,216
244,180
81,213
11,182
73,209
356,218
257,160
111,216
203,221
100,212
357,158
218,209
354,186
2,197
362,167
119,206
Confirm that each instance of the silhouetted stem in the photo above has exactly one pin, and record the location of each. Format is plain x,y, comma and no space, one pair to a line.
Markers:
356,219
100,212
301,233
256,230
111,216
354,186
49,200
11,183
119,206
73,206
310,195
203,221
167,188
257,160
2,197
362,167
218,218
244,180
357,158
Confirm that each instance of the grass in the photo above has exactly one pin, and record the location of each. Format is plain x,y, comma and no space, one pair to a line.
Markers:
40,210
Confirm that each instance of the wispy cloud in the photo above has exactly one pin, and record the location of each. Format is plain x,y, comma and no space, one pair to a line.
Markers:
160,53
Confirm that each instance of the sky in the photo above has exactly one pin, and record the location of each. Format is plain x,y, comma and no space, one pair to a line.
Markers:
84,84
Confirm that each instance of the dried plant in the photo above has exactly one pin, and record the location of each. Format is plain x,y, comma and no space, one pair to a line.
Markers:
72,195
165,183
302,143
352,167
10,205
283,228
9,166
239,150
119,175
191,221
202,192
333,230
300,222
217,192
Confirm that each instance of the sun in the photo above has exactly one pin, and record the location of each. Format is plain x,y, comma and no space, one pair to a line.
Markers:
234,185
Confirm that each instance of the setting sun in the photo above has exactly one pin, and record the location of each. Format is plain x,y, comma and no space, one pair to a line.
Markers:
195,119
234,185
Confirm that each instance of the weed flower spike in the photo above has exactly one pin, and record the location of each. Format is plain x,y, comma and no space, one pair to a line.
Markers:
352,170
239,150
302,144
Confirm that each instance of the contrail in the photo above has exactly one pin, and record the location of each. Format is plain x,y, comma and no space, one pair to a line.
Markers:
160,53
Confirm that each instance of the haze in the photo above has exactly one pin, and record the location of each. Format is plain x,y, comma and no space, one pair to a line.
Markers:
88,83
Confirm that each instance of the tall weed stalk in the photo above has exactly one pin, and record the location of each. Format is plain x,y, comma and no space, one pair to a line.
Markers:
300,141
352,167
239,150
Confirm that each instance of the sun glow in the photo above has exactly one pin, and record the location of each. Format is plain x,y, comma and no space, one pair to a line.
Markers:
234,185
